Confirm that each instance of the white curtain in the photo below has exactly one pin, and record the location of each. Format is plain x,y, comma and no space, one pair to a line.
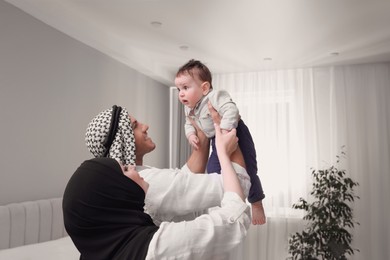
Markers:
299,120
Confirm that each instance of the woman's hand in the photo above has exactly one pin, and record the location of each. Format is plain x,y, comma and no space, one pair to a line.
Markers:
226,142
236,156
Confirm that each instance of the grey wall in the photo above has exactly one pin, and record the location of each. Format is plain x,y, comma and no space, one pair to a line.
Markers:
51,85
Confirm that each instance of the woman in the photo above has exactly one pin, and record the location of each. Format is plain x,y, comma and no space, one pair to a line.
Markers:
103,214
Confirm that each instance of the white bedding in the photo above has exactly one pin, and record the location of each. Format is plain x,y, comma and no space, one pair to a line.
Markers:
59,249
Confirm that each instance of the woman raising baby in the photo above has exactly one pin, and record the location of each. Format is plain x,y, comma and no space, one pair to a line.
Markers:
104,214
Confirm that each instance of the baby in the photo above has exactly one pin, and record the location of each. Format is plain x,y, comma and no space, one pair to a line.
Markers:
193,82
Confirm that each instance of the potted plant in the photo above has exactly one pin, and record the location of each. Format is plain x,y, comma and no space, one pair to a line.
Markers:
329,217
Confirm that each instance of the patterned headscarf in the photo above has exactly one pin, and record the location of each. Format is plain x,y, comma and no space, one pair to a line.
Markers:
112,125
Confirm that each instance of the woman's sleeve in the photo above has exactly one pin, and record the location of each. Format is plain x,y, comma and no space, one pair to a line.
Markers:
175,192
208,236
189,129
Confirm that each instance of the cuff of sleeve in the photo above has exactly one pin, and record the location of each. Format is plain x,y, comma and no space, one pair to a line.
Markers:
227,126
185,169
235,204
189,134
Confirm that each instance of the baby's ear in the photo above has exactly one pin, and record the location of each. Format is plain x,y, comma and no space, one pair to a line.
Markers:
205,87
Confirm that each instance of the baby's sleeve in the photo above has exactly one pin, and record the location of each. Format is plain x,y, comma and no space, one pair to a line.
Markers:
225,106
189,129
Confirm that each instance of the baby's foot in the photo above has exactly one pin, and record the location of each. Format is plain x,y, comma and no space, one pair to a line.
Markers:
258,215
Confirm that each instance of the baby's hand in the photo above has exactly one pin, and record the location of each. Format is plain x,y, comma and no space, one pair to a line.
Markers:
194,141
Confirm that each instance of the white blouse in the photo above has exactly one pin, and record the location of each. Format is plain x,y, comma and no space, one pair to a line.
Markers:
179,194
209,236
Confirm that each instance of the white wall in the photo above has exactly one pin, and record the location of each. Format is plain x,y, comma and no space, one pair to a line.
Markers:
50,88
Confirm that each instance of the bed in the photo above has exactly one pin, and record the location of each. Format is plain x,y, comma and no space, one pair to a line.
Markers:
35,230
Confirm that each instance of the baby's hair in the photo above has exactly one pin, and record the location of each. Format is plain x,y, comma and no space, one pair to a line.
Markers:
198,68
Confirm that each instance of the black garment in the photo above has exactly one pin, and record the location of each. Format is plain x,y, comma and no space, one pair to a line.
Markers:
104,215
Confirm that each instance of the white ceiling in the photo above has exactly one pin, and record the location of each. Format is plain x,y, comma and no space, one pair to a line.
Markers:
228,35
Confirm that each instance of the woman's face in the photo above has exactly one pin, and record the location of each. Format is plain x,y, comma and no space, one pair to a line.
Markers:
134,175
143,143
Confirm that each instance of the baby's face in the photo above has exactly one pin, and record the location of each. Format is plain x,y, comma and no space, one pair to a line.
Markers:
190,90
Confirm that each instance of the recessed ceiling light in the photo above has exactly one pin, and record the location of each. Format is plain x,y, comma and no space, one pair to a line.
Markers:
184,47
156,24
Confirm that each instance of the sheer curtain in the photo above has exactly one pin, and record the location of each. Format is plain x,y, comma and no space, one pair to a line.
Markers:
299,119
179,149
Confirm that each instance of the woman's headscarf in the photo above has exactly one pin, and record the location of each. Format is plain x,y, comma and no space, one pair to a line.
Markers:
109,134
103,212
